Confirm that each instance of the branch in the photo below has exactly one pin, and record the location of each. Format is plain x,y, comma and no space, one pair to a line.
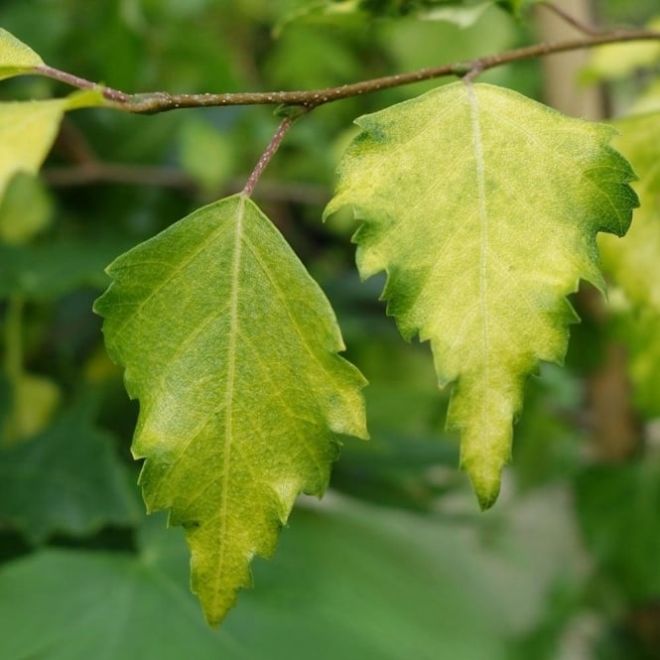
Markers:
265,158
99,173
155,102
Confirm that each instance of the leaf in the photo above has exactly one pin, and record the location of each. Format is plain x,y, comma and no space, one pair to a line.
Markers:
49,270
27,132
15,57
65,480
482,206
25,211
34,400
231,348
649,99
350,581
464,17
614,61
463,13
516,7
632,262
621,502
206,154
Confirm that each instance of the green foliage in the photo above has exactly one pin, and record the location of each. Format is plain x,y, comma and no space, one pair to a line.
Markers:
634,492
25,211
231,348
445,186
65,480
632,261
84,573
463,13
349,580
46,271
621,60
27,132
206,154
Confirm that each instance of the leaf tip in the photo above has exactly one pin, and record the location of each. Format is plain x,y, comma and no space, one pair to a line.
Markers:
486,481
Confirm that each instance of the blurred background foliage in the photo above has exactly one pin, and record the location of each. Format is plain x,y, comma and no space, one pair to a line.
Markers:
396,562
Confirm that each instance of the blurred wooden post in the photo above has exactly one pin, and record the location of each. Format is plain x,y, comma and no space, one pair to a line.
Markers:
560,72
612,422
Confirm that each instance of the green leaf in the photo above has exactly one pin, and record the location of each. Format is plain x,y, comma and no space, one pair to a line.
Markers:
34,400
649,100
618,510
65,480
15,57
516,7
350,581
206,154
464,17
25,211
463,13
231,348
49,270
483,207
632,262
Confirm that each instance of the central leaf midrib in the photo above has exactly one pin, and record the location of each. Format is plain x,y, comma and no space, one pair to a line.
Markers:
484,242
229,395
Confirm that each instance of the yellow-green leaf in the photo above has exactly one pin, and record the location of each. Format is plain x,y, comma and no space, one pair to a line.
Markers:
25,211
27,132
15,57
34,400
29,128
231,349
614,61
483,207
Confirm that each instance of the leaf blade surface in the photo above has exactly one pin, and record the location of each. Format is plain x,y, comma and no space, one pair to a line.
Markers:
483,207
232,350
15,57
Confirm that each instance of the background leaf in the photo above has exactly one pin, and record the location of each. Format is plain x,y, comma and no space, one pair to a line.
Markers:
347,580
632,261
27,132
66,480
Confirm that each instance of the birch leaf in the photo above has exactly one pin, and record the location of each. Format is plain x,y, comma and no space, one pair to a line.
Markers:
231,349
27,132
29,128
483,207
15,57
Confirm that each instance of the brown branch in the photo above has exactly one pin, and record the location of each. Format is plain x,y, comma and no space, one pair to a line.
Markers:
100,173
94,172
162,101
266,156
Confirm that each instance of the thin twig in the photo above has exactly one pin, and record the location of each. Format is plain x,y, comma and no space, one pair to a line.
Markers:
571,20
270,151
94,172
100,173
154,102
81,83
